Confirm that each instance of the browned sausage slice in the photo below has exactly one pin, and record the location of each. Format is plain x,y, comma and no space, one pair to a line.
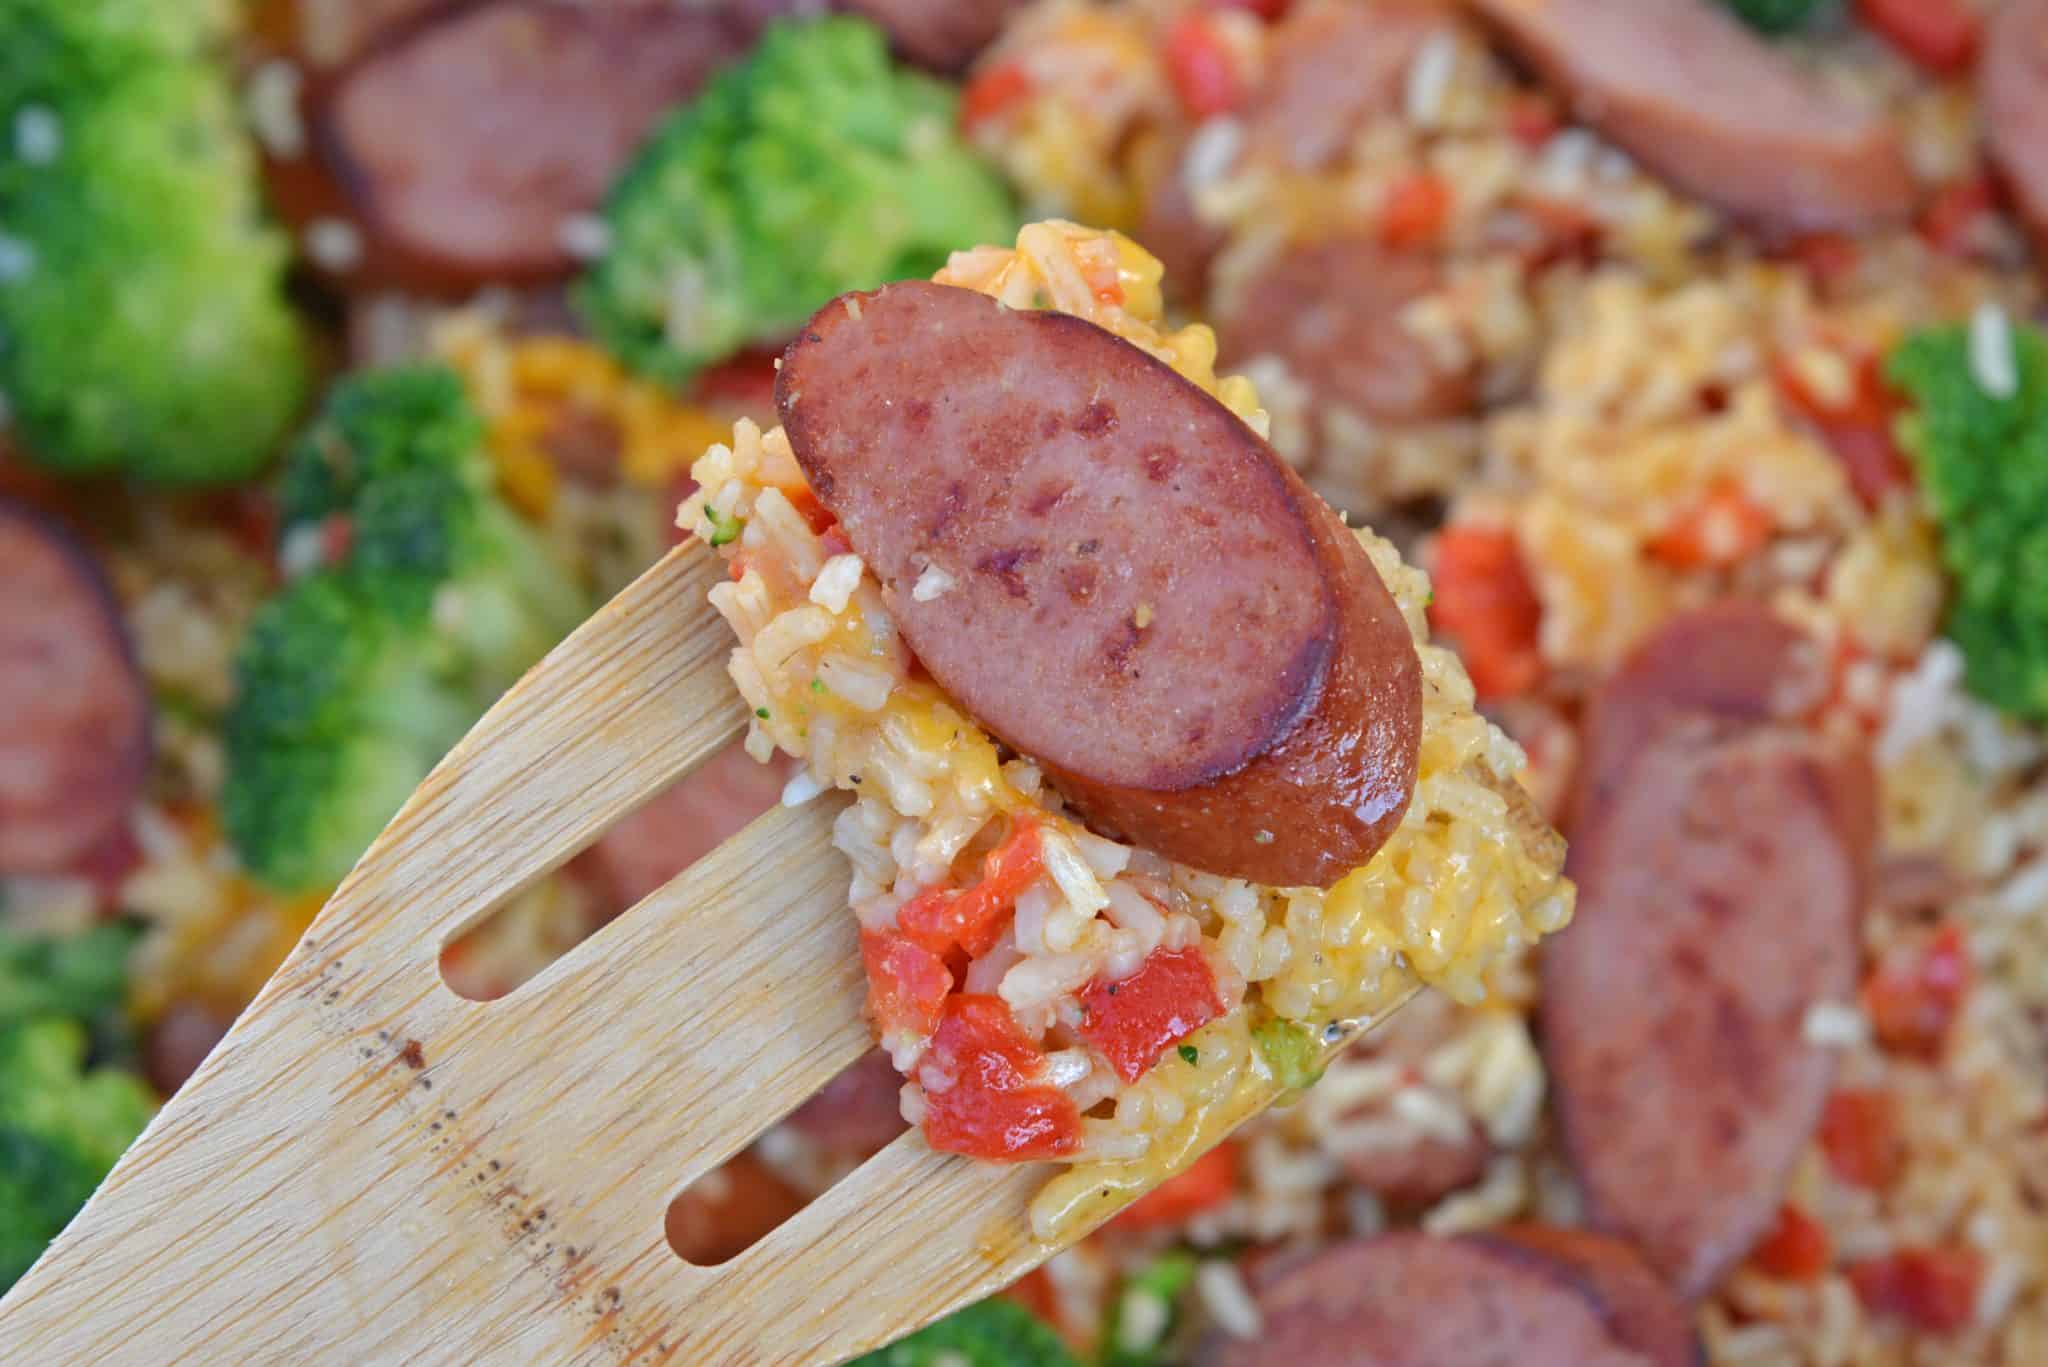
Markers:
179,1041
1640,1309
1721,867
1425,1166
683,824
2013,80
728,1210
1414,1300
944,35
858,1111
1734,661
1333,312
74,711
329,32
1715,110
1331,68
469,143
1172,229
1118,578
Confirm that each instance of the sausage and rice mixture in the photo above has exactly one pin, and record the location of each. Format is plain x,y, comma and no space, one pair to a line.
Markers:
1598,403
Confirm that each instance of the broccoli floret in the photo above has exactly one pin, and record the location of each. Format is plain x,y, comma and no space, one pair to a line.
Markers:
1143,1317
379,428
812,168
340,711
61,1128
143,324
1982,463
59,50
1776,16
81,976
399,455
358,677
993,1333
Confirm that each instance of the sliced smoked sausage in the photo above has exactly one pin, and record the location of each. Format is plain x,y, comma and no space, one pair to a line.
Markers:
1721,859
1639,1308
2013,80
943,35
327,33
1735,661
858,1112
74,711
467,144
1333,312
682,824
1715,110
1114,574
1333,66
1416,1300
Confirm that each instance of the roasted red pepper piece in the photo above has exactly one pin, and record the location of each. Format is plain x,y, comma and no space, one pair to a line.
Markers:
985,1091
1204,1183
1133,1020
907,986
974,917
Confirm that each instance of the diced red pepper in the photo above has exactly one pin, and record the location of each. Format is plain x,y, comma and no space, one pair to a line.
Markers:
743,384
1201,68
973,918
985,1091
1857,431
1132,1021
1565,231
1952,215
337,538
1484,601
1532,118
1827,257
907,985
248,514
1940,35
1913,994
1203,1184
107,864
1268,10
1931,1288
1723,528
816,515
1416,209
993,91
1871,459
1859,1133
1034,1292
1796,1250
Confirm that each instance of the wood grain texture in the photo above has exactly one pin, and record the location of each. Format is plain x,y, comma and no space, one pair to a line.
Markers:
370,1169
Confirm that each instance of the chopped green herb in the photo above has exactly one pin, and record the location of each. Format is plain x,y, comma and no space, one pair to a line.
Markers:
817,685
762,713
725,527
1190,1055
1289,1049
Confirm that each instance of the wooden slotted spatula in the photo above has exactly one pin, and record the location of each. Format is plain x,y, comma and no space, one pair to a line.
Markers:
372,1169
